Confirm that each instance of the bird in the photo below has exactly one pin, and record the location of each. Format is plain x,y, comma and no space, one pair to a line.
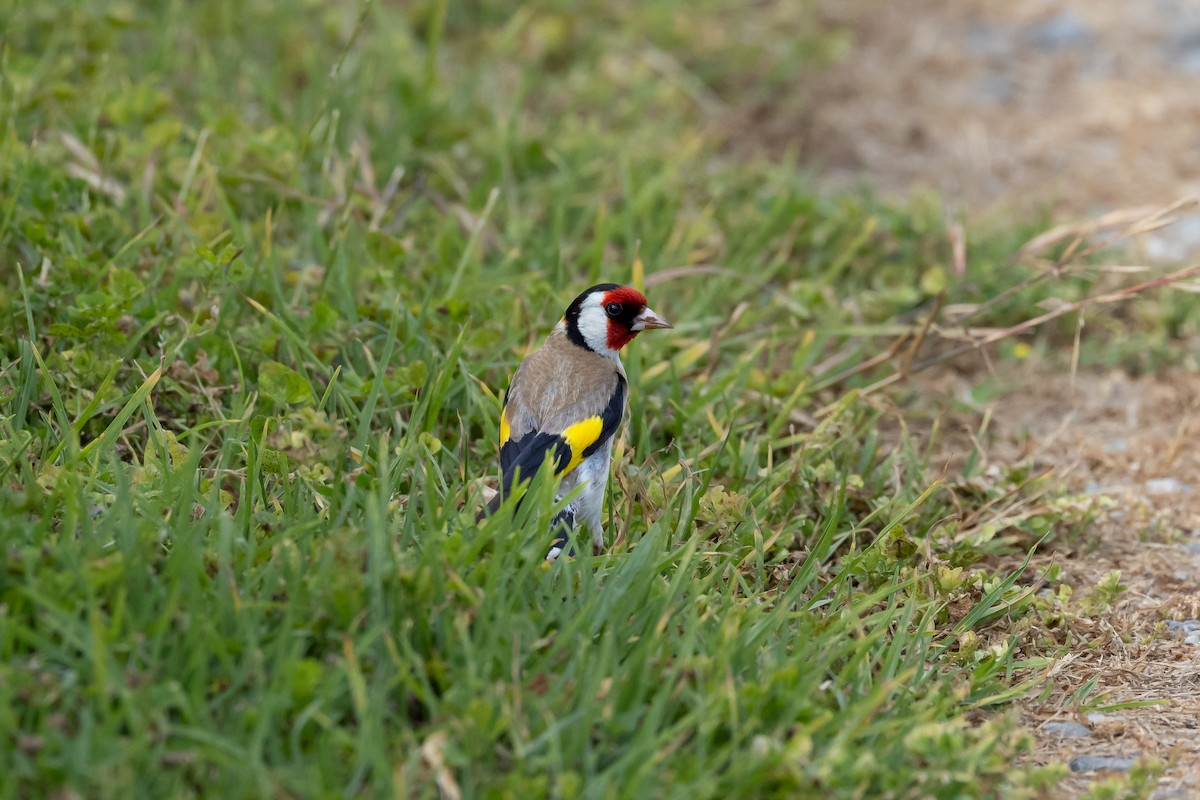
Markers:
566,401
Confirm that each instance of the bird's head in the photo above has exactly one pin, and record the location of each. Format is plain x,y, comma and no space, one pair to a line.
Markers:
606,317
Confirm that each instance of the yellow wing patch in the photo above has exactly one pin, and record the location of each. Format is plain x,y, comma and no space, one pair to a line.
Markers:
580,437
505,431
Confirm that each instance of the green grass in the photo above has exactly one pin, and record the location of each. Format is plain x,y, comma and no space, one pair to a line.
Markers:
266,269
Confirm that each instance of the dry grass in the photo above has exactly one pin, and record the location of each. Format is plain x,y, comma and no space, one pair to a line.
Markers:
1075,245
1098,433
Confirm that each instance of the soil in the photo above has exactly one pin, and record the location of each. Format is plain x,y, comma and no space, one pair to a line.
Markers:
1127,439
1072,108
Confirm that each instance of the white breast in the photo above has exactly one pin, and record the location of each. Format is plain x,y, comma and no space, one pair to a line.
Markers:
589,503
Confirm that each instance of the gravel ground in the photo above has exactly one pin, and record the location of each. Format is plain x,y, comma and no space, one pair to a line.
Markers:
1129,439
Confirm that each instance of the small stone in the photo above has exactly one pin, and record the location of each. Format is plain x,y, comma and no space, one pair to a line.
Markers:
1116,446
1185,625
1181,241
1068,730
990,42
1183,50
1058,32
998,89
1098,763
1171,794
1193,548
1167,486
1192,638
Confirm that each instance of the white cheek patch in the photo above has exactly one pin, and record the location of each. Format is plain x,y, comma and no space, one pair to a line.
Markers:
593,324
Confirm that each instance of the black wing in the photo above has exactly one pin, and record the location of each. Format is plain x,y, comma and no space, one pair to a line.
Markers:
522,458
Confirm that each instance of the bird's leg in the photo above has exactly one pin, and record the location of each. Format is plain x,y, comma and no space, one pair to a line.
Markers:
597,541
560,527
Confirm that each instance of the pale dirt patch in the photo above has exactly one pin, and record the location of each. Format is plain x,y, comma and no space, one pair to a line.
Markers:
1131,439
1075,106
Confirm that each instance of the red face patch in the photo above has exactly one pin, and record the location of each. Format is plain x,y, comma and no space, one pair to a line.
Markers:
618,337
627,297
620,321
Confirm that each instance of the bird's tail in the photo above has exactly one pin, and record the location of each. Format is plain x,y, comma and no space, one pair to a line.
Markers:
560,527
491,508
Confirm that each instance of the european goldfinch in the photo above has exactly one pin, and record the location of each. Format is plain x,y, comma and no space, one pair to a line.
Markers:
566,401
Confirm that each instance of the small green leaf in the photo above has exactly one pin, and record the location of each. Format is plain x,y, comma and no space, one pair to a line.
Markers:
431,442
415,374
274,462
283,385
323,317
124,285
934,281
304,678
901,548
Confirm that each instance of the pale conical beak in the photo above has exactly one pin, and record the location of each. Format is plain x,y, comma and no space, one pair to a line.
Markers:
648,320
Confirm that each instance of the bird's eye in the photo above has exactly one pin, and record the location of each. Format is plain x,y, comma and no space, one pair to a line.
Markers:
613,309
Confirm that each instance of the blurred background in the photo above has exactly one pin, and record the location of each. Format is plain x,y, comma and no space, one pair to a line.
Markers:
1065,107
1073,106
